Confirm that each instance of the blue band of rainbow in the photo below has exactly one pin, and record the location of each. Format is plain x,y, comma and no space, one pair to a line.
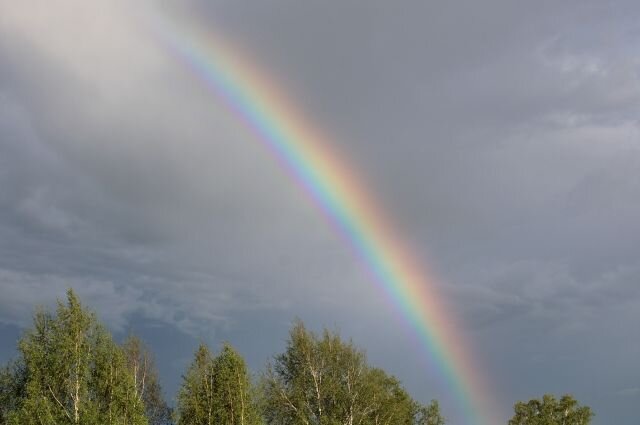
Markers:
336,191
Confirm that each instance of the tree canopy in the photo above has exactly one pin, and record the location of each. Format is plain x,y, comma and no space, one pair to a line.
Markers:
216,390
70,371
141,364
550,411
323,380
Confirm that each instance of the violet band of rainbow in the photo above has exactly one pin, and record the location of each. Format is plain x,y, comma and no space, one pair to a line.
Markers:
336,191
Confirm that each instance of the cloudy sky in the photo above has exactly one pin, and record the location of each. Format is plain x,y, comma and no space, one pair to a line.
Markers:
501,137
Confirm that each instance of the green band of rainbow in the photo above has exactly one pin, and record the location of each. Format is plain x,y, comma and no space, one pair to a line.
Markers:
308,157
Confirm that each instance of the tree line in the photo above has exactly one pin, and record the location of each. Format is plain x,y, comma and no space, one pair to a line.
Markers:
69,371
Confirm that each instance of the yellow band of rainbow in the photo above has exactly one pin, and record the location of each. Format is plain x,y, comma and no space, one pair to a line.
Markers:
331,183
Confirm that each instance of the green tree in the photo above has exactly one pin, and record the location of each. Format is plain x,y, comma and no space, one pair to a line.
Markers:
232,389
430,414
141,365
12,388
326,381
551,411
73,372
196,399
387,402
216,390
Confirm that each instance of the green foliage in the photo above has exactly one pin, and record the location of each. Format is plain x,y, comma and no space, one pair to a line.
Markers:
550,411
70,372
195,397
141,365
12,388
216,390
326,381
74,373
430,414
386,400
232,389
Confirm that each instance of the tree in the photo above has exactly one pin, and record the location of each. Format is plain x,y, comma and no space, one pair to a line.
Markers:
141,365
216,390
550,411
326,381
232,389
386,402
430,414
73,372
196,396
12,388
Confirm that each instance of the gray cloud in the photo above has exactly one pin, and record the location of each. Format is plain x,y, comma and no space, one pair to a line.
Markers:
629,392
503,139
144,187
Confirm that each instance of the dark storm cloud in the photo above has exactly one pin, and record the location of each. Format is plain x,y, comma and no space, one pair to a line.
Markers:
502,137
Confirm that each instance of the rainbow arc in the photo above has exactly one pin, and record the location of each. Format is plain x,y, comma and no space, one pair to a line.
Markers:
335,189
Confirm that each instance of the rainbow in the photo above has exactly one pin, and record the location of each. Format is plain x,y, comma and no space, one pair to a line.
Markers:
333,186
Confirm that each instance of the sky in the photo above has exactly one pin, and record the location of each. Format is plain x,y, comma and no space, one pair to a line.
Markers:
500,137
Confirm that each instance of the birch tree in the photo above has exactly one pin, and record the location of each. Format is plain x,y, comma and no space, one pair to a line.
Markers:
216,390
232,388
430,414
551,411
141,365
386,402
74,372
12,388
323,380
196,398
